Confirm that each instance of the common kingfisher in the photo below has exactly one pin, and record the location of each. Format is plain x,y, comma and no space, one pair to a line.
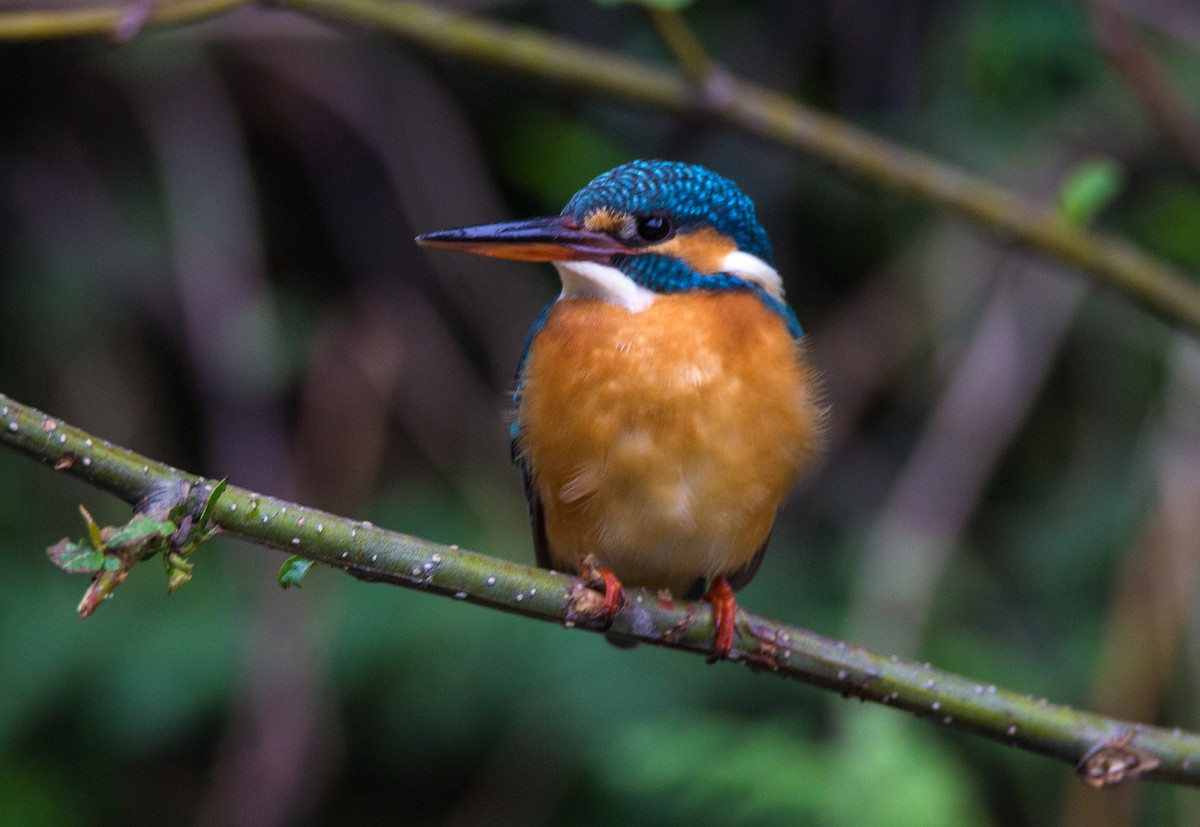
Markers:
665,403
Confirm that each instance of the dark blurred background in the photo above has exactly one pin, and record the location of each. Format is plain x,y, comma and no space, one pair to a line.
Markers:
206,255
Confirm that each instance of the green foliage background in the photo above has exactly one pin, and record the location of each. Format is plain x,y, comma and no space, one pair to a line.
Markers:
205,255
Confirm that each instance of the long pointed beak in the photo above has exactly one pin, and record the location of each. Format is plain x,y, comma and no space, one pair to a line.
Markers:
537,239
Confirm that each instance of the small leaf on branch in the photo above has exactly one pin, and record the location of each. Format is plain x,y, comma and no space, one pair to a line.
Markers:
75,558
293,570
140,532
93,529
179,571
211,504
109,553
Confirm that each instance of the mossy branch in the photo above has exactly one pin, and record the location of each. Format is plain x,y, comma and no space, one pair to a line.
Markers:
1149,283
1104,751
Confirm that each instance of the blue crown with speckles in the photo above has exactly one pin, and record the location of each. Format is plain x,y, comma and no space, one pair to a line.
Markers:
690,194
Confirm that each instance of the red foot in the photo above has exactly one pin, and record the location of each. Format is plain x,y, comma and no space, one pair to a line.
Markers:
614,592
724,604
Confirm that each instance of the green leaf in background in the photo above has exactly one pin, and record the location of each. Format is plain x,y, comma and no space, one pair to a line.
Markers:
548,155
715,769
1088,189
1166,219
905,775
40,792
293,570
721,770
1024,56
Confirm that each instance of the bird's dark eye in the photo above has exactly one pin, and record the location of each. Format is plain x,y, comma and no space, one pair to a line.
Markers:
653,228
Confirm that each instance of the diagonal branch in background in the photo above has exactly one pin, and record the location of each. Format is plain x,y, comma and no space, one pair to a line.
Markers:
1104,751
119,22
751,109
1119,42
774,117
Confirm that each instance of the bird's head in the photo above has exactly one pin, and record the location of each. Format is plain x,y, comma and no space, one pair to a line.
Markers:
642,229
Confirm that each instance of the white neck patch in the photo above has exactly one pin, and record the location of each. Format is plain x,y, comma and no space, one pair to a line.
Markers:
753,269
589,279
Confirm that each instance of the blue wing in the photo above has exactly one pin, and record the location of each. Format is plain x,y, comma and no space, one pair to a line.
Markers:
537,522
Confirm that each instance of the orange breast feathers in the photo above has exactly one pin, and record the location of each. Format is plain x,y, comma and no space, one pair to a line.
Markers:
662,441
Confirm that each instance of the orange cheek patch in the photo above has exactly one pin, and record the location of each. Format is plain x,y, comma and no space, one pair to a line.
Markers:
703,250
605,220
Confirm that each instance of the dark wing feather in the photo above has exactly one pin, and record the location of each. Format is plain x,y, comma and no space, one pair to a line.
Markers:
746,573
736,579
537,519
537,522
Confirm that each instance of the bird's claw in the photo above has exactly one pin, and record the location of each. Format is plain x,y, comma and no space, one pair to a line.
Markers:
720,595
604,580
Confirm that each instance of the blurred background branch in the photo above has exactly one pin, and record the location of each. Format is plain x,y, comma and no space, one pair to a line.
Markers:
1119,40
119,22
756,110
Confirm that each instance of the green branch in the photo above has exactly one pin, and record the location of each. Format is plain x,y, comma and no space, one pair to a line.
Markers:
1104,751
1149,283
114,21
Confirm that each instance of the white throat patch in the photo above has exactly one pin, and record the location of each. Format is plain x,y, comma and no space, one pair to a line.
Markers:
589,279
754,270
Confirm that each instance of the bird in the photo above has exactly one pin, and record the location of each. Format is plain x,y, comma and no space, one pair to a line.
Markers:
666,401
